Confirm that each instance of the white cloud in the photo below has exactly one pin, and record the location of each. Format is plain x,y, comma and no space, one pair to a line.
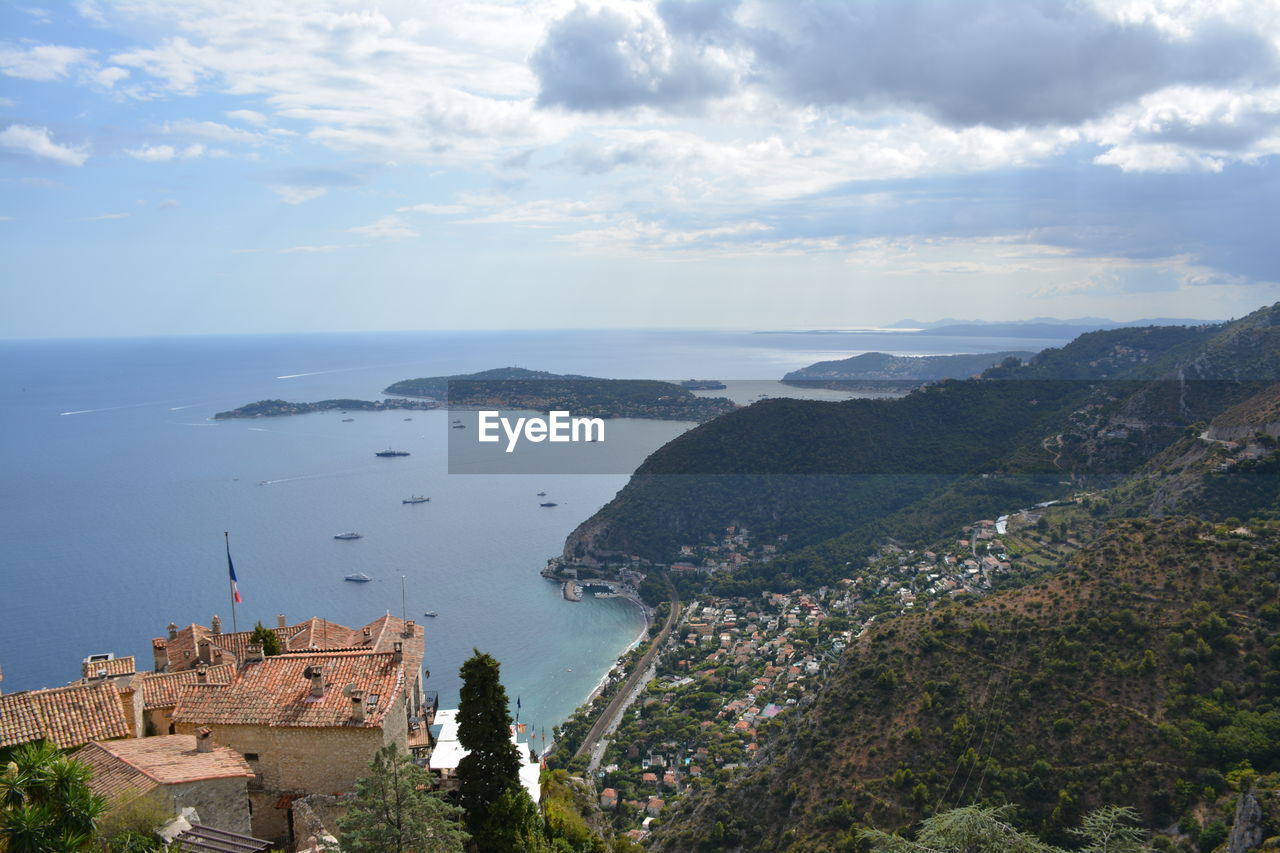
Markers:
213,131
306,250
37,142
385,228
247,116
152,153
43,62
105,216
297,194
110,76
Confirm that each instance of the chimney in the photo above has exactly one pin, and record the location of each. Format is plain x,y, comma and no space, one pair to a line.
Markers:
280,621
202,674
215,624
173,631
397,652
408,628
367,634
159,654
357,706
204,739
204,649
316,675
253,653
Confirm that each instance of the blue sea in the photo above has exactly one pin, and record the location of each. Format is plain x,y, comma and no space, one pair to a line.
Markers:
119,486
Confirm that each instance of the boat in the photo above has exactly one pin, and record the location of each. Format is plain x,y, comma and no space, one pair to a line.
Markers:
416,499
408,419
389,452
548,503
431,613
351,535
459,426
358,577
542,494
347,420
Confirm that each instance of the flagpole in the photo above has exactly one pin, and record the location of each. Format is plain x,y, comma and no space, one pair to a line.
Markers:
231,582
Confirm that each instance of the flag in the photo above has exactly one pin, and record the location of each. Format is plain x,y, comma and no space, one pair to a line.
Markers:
521,727
231,570
517,702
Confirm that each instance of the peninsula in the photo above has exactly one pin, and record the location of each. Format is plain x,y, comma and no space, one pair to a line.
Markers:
518,388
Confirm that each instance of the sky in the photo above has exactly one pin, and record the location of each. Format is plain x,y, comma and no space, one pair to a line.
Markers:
217,166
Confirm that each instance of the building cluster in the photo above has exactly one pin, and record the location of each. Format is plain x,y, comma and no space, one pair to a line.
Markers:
733,665
242,736
734,549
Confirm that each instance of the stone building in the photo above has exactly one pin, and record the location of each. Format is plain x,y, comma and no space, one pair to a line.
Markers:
306,722
175,771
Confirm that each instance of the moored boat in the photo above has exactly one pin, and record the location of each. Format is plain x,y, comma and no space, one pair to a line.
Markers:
349,535
416,499
358,577
390,452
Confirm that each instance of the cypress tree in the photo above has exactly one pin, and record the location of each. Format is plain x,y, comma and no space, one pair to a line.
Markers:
491,768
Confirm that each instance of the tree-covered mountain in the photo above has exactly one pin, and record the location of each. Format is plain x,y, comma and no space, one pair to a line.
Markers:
1096,410
881,371
1146,673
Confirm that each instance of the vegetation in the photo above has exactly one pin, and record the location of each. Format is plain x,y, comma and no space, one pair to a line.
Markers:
586,396
498,810
976,829
394,811
45,802
880,371
269,640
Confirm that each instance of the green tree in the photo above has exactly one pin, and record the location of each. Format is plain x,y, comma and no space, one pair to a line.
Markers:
983,829
269,639
491,768
45,802
394,811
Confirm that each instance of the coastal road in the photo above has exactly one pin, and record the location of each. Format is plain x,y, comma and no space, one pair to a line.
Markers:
635,682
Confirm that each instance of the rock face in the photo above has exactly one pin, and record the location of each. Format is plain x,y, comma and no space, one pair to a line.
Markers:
1246,832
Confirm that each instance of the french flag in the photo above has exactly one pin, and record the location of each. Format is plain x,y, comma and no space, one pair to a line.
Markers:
231,570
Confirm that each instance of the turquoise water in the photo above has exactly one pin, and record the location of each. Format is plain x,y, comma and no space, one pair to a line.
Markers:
119,487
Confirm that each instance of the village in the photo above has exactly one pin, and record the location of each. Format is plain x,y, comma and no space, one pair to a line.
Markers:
735,665
249,740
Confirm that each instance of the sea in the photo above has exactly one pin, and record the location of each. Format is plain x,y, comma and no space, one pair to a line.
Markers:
119,487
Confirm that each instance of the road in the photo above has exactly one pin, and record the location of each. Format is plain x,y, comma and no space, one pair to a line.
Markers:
635,683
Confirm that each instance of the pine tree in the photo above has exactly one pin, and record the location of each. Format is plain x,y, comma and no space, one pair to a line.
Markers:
395,811
490,772
269,639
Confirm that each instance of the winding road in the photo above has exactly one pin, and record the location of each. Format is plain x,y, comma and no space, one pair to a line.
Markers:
640,676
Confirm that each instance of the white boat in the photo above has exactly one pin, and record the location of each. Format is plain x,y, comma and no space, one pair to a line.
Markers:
351,535
415,499
431,613
358,577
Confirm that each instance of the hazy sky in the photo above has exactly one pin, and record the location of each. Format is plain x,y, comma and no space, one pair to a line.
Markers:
190,166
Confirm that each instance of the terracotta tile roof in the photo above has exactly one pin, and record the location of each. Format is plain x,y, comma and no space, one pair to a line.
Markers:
277,693
317,633
161,689
66,716
142,764
108,668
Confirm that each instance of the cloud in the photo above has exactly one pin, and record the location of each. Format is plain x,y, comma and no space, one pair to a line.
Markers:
162,153
37,142
247,116
982,62
42,62
608,59
214,131
105,216
110,76
297,195
387,227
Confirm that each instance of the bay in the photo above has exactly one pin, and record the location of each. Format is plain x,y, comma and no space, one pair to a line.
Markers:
118,487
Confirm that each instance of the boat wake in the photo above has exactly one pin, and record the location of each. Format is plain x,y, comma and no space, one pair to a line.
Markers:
111,408
312,476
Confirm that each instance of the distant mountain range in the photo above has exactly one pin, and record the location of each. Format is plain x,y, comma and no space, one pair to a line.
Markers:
1038,327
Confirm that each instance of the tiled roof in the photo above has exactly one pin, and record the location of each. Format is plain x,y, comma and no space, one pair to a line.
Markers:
109,668
161,689
317,633
143,763
66,716
277,693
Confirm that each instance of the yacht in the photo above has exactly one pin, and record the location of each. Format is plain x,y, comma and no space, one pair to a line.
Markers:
351,535
358,577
